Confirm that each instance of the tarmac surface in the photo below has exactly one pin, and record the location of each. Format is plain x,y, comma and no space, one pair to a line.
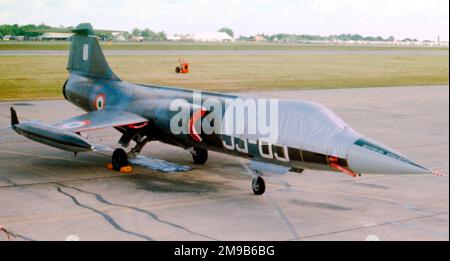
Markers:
47,194
233,52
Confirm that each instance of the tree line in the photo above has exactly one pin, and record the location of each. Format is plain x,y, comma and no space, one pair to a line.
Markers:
148,34
307,37
32,30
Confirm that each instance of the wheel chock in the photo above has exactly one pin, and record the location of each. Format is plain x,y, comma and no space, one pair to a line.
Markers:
109,166
126,169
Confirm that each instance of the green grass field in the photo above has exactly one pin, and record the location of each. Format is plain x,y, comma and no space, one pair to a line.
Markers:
207,46
39,77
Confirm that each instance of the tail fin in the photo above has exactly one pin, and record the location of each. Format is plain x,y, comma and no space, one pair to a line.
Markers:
86,57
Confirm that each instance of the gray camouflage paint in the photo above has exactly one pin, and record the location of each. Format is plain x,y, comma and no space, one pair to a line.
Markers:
310,135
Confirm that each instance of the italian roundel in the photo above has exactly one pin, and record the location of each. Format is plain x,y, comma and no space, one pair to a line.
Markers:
76,124
100,102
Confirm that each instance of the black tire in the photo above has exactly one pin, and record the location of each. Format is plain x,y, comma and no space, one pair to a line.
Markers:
177,70
258,186
200,156
119,159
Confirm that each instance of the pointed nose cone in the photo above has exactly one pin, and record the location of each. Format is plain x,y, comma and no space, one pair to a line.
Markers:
370,157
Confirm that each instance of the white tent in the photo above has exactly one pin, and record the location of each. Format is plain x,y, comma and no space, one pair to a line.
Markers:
212,37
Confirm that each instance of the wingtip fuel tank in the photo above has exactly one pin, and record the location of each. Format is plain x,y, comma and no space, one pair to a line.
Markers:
50,135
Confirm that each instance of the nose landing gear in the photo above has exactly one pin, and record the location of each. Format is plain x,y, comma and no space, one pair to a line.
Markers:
258,185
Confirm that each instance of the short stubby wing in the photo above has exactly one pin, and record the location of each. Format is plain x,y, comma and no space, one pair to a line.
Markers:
99,120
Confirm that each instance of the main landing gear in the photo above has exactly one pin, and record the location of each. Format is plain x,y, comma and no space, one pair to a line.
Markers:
120,162
120,157
200,156
140,143
258,184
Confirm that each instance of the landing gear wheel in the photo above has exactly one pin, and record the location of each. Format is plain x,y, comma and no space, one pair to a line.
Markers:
200,156
119,159
258,186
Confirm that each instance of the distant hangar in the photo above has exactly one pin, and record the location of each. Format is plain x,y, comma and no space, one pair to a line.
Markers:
55,36
204,37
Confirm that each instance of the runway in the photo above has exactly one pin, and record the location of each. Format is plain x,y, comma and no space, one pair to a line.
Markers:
233,52
47,194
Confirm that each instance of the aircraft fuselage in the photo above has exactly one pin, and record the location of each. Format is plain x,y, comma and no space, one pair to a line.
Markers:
152,102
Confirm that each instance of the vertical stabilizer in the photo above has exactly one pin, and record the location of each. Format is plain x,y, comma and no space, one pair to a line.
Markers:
86,56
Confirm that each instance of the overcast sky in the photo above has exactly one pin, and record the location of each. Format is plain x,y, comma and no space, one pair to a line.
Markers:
422,19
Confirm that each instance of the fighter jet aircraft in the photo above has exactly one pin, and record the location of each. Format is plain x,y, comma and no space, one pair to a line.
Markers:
308,135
